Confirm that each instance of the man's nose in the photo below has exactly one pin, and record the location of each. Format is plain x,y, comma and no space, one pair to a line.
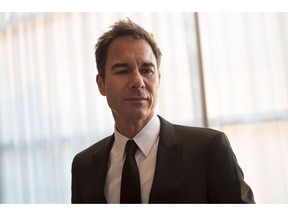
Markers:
136,80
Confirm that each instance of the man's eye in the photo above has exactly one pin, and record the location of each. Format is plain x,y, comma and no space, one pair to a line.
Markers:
121,72
147,71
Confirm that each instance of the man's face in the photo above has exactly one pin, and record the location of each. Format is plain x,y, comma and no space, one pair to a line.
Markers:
131,80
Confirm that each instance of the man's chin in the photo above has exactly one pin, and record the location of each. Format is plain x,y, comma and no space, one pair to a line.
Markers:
140,116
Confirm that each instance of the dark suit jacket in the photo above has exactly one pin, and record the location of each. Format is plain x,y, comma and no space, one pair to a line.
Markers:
194,165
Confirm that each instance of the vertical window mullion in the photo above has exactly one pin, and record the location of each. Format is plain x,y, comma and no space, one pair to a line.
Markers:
196,68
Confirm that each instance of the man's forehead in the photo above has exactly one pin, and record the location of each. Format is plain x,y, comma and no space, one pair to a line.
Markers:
123,51
125,42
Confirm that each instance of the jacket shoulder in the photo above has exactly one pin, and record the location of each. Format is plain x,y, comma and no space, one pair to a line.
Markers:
188,134
188,130
196,132
85,156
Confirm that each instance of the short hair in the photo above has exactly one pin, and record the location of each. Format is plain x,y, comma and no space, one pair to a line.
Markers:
120,29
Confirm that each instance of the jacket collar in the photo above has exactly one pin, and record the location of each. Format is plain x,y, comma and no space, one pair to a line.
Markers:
100,163
167,164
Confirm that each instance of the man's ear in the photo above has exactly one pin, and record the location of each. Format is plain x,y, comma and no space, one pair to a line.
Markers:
158,73
101,84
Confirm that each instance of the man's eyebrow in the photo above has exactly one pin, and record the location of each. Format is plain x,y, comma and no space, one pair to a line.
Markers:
148,64
117,65
125,65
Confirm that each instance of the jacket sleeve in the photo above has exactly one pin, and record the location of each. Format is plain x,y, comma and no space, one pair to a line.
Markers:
225,178
75,191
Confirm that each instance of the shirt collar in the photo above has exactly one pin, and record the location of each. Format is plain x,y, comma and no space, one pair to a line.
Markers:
144,139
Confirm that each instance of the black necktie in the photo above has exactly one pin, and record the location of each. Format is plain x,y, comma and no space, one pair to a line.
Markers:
130,183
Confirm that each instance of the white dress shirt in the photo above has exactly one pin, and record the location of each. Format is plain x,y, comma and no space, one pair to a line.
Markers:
147,140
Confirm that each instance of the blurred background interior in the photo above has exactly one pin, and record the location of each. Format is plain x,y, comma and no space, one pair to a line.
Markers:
227,71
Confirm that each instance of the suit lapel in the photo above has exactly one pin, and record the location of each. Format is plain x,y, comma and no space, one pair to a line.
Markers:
99,169
168,159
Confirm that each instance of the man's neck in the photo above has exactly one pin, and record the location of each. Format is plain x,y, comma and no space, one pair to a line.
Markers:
131,128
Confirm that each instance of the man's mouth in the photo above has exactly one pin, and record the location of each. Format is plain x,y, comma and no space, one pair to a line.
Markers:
136,98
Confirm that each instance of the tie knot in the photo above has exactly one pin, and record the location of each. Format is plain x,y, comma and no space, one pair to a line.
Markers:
131,148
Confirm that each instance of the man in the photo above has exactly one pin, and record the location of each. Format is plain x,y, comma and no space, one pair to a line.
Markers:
174,164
